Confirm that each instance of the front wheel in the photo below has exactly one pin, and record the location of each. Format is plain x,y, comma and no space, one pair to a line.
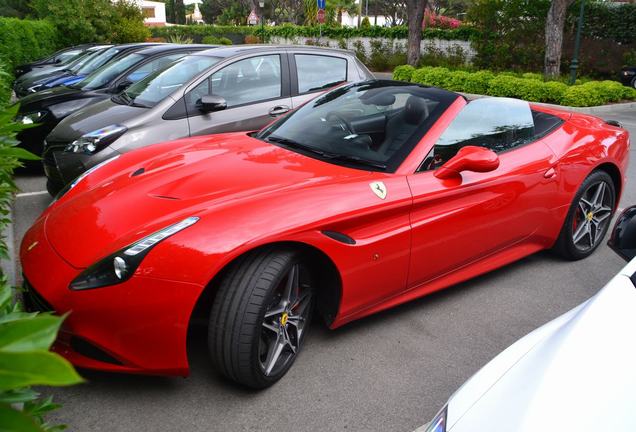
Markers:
260,316
589,217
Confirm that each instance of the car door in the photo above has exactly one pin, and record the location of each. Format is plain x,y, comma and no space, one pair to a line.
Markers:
313,72
456,222
256,90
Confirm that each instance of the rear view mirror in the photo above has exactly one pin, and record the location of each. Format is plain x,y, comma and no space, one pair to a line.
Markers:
211,103
469,158
122,86
623,239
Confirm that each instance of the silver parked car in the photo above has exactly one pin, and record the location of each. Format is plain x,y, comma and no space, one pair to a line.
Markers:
576,373
237,88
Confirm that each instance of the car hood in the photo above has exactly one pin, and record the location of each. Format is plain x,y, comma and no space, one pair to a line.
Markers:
575,373
45,98
96,116
148,189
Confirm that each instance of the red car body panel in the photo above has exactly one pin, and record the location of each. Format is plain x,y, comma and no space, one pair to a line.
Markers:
427,234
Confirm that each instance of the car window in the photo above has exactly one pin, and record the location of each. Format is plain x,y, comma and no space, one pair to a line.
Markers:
316,72
247,81
104,75
375,124
158,85
499,124
99,60
153,66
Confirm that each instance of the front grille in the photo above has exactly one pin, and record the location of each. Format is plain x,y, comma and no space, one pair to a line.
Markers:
32,300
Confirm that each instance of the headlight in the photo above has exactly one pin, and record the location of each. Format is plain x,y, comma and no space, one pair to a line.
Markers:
438,424
30,118
35,88
93,142
121,265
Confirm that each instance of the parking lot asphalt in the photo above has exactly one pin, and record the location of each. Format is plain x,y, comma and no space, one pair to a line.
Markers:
388,372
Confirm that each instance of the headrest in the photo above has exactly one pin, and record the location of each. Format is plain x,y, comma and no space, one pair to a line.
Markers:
415,110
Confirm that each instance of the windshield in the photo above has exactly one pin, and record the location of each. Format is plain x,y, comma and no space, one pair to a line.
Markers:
98,60
76,65
371,125
104,75
157,86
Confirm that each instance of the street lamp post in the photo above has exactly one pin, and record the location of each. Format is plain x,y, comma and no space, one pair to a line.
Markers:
261,4
577,45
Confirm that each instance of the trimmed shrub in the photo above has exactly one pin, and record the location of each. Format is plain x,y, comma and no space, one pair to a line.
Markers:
215,40
554,91
522,86
581,95
5,84
403,73
478,82
22,41
431,76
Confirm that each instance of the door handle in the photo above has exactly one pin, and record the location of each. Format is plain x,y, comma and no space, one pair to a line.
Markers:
278,110
550,173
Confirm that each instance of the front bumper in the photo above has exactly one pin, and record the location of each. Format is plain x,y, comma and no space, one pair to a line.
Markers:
139,326
32,138
63,167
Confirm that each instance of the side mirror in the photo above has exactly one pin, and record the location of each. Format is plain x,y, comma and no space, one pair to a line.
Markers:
211,103
623,239
58,61
122,86
469,158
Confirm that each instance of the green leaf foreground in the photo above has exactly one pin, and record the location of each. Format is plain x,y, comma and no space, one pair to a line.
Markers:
25,337
23,369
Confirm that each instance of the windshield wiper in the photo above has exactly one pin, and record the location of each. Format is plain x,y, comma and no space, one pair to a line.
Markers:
358,160
295,144
327,155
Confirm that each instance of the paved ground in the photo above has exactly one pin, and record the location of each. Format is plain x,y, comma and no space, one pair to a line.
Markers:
390,372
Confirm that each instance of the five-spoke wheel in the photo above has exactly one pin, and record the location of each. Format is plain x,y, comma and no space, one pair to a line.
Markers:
260,316
588,218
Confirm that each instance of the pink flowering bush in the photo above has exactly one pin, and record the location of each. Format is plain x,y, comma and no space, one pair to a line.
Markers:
439,21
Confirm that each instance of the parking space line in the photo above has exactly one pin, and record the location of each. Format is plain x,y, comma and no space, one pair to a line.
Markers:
28,194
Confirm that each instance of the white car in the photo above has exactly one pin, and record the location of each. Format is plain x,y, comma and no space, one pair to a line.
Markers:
575,373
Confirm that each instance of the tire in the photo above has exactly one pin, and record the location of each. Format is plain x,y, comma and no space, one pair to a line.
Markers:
52,188
257,313
634,83
588,219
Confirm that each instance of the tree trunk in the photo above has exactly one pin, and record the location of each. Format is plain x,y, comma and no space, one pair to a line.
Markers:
554,37
415,14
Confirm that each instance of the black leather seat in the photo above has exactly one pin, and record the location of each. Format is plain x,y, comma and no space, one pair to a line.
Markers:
401,126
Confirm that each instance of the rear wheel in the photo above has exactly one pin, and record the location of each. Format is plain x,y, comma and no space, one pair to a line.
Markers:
588,218
260,316
634,83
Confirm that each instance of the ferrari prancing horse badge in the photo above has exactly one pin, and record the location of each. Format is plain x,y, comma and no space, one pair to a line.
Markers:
378,188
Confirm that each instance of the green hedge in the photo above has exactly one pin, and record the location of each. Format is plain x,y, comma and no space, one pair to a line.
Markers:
22,41
197,32
527,86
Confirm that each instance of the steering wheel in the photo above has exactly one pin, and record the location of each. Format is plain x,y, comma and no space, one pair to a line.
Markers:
339,122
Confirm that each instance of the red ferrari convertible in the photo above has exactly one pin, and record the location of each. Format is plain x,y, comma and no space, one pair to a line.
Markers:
366,197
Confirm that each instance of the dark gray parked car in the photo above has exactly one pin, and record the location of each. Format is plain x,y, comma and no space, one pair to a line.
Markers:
220,90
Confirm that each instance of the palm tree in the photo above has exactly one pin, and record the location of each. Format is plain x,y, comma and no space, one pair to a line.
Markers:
341,6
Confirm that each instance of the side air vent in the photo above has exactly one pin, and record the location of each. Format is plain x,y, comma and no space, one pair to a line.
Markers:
614,123
340,237
138,172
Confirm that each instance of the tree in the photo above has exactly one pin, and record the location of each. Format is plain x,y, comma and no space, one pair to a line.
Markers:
415,13
179,12
341,6
554,37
